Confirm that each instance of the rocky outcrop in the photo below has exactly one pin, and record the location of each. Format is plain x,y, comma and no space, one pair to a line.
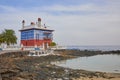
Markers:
18,66
79,53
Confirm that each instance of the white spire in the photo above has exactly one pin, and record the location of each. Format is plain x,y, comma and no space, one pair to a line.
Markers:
23,24
39,22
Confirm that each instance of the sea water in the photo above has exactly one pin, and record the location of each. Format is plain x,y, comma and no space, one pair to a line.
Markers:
103,63
95,48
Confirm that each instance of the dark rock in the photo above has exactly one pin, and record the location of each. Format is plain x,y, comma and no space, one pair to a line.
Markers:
0,77
18,66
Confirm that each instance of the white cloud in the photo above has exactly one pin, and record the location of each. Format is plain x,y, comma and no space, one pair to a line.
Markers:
70,8
7,8
102,27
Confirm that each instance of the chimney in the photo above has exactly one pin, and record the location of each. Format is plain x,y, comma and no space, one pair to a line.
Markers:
39,22
32,23
23,24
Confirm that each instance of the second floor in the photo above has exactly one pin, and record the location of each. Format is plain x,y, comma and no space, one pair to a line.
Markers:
36,35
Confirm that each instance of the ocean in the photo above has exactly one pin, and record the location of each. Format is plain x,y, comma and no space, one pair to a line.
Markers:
95,48
103,63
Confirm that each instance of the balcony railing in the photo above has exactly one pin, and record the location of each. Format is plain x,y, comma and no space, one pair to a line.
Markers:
47,38
47,32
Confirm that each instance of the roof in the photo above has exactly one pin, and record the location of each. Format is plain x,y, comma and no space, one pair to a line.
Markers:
35,26
31,27
36,29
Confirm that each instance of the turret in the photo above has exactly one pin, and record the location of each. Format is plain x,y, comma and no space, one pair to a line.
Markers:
23,24
39,22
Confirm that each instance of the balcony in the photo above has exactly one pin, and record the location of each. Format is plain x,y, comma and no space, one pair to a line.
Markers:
47,32
47,38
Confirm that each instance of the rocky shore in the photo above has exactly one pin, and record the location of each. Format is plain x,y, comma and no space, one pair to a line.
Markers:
19,66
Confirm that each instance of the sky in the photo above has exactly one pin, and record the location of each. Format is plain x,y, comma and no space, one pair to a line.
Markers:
76,22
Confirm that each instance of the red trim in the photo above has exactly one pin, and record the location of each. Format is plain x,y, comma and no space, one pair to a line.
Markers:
35,42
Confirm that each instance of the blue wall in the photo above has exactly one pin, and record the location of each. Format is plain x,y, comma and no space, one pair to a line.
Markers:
26,35
39,34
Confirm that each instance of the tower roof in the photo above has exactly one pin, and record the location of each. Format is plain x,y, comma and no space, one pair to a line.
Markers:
39,19
23,21
35,26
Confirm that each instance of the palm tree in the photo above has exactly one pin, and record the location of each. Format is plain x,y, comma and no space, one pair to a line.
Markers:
1,39
8,37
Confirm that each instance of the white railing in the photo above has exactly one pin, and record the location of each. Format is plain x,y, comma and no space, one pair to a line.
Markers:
24,48
11,48
31,48
58,47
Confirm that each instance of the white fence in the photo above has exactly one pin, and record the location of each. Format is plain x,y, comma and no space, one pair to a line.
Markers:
30,48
